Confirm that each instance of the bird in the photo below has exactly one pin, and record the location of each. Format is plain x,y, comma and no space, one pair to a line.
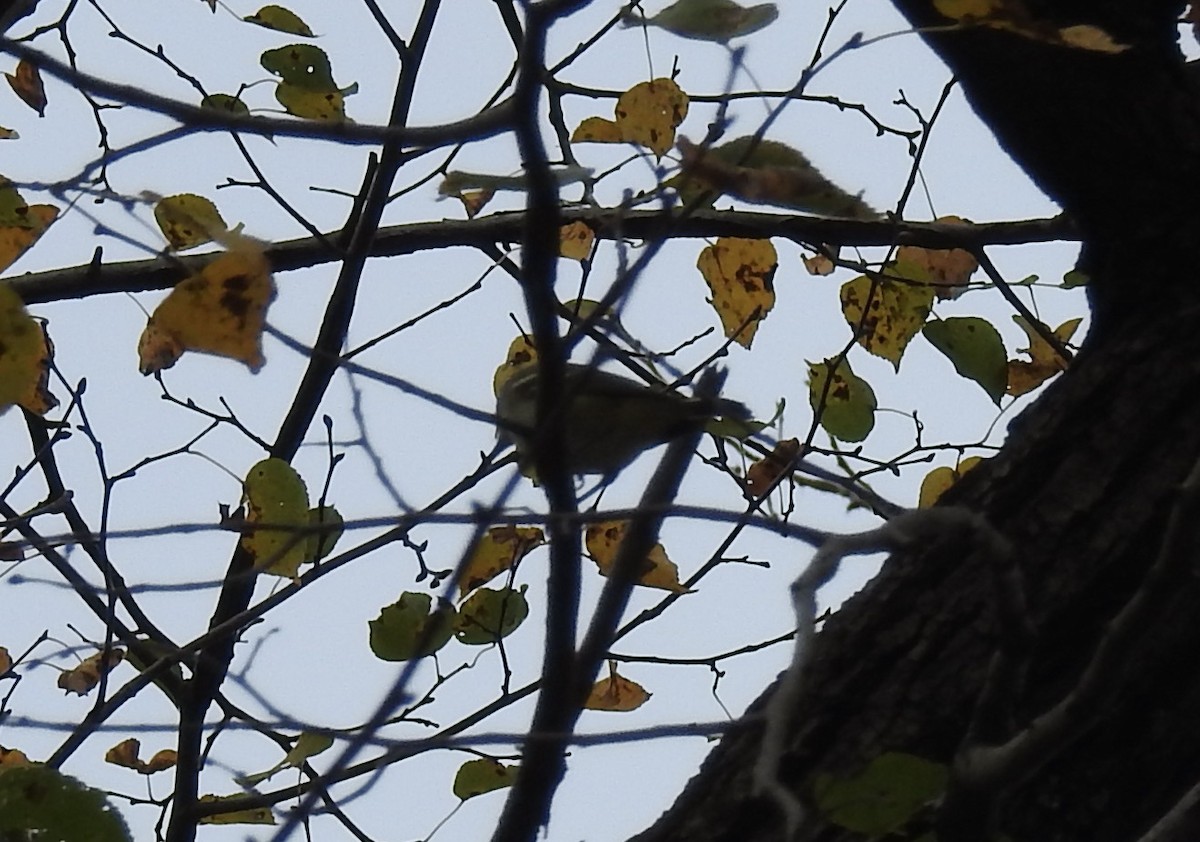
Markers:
608,419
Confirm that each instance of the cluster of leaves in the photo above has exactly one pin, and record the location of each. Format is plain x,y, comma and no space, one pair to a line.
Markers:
306,87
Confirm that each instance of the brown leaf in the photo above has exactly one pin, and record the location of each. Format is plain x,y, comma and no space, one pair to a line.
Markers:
81,679
27,83
616,693
761,476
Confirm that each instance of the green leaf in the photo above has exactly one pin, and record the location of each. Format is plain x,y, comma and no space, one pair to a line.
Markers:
975,348
406,629
884,797
281,20
489,615
14,210
314,104
301,65
307,745
276,496
225,102
1075,278
848,412
328,521
37,802
475,777
251,815
711,20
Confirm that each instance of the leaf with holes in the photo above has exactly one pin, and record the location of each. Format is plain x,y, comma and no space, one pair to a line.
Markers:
277,498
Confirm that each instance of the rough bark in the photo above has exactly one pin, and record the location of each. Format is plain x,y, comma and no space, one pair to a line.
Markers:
1082,487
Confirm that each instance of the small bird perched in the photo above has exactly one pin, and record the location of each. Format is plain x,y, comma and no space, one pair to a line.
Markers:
607,419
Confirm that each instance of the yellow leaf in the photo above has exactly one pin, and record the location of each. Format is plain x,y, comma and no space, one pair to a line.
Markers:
657,571
616,693
311,104
498,550
475,200
649,113
281,20
308,744
646,114
1025,376
276,497
6,661
125,753
8,134
81,679
475,777
885,315
15,240
520,354
1087,37
188,220
575,240
1013,16
939,480
597,130
740,274
25,354
27,84
219,311
947,269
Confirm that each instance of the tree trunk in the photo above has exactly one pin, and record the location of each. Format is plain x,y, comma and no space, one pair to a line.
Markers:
1082,488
